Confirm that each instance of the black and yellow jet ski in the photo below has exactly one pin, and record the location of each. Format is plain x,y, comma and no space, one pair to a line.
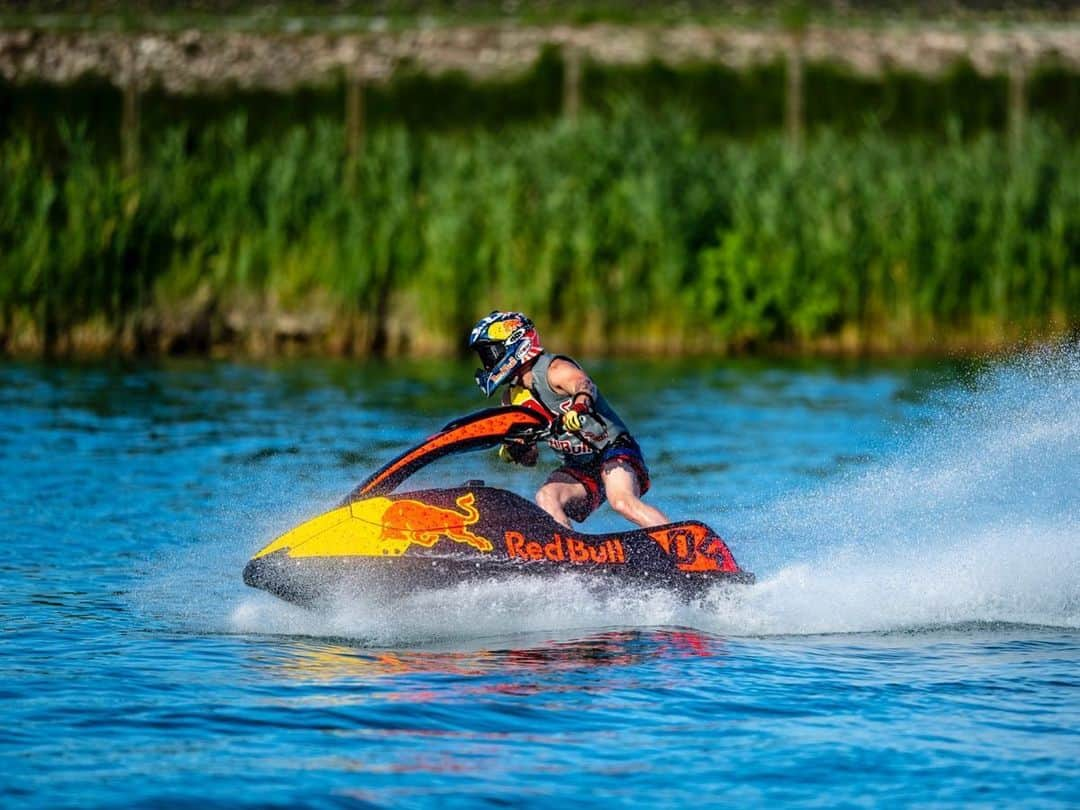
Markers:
379,540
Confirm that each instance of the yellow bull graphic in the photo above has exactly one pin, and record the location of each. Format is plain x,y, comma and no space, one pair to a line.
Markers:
381,527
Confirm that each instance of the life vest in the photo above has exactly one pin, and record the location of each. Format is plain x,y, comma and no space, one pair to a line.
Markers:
571,446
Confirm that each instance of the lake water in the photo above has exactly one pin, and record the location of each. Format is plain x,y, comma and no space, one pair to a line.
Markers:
913,639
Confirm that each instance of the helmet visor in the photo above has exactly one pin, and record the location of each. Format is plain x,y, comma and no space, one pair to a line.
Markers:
489,353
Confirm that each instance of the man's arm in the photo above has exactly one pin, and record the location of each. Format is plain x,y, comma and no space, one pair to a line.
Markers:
569,380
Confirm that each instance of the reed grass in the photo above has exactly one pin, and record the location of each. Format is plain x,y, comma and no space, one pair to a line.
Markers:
617,231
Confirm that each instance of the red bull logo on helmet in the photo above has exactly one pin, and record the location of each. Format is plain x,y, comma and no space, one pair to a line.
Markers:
504,330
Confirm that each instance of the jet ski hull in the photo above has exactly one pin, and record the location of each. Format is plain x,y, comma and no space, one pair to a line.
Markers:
437,538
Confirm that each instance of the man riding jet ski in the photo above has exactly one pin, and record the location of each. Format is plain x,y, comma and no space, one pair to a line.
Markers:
600,459
381,540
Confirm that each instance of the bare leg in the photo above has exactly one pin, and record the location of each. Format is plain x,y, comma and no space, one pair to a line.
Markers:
556,493
624,495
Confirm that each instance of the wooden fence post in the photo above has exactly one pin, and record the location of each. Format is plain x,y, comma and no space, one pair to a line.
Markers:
355,126
1017,100
571,81
794,108
129,116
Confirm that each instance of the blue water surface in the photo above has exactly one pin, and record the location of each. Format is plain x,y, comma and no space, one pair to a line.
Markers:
913,639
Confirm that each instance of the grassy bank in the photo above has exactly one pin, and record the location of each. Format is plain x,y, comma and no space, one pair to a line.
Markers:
621,232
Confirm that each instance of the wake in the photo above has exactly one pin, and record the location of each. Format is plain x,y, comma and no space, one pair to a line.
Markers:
975,520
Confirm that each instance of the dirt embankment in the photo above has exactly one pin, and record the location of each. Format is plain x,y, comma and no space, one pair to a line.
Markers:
259,327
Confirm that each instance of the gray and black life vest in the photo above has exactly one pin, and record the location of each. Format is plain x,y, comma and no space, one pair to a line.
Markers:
567,444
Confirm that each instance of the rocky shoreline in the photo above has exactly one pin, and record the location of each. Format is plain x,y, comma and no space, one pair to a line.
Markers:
195,61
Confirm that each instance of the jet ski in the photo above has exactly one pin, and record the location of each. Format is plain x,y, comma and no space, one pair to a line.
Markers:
382,541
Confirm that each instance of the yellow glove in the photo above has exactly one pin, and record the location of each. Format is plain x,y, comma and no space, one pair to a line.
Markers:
572,419
504,454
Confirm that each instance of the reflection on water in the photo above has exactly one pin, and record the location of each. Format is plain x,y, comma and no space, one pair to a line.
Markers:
312,661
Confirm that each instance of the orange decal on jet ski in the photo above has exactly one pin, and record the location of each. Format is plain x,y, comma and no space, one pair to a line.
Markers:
422,523
695,547
610,552
480,429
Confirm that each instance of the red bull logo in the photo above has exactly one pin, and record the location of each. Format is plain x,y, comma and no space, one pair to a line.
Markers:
424,524
503,330
565,549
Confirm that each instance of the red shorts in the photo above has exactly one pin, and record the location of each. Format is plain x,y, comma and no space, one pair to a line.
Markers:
588,473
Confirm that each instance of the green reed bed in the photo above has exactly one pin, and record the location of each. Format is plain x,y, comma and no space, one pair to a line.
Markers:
623,231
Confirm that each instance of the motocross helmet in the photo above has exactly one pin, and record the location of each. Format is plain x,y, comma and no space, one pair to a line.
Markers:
505,342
